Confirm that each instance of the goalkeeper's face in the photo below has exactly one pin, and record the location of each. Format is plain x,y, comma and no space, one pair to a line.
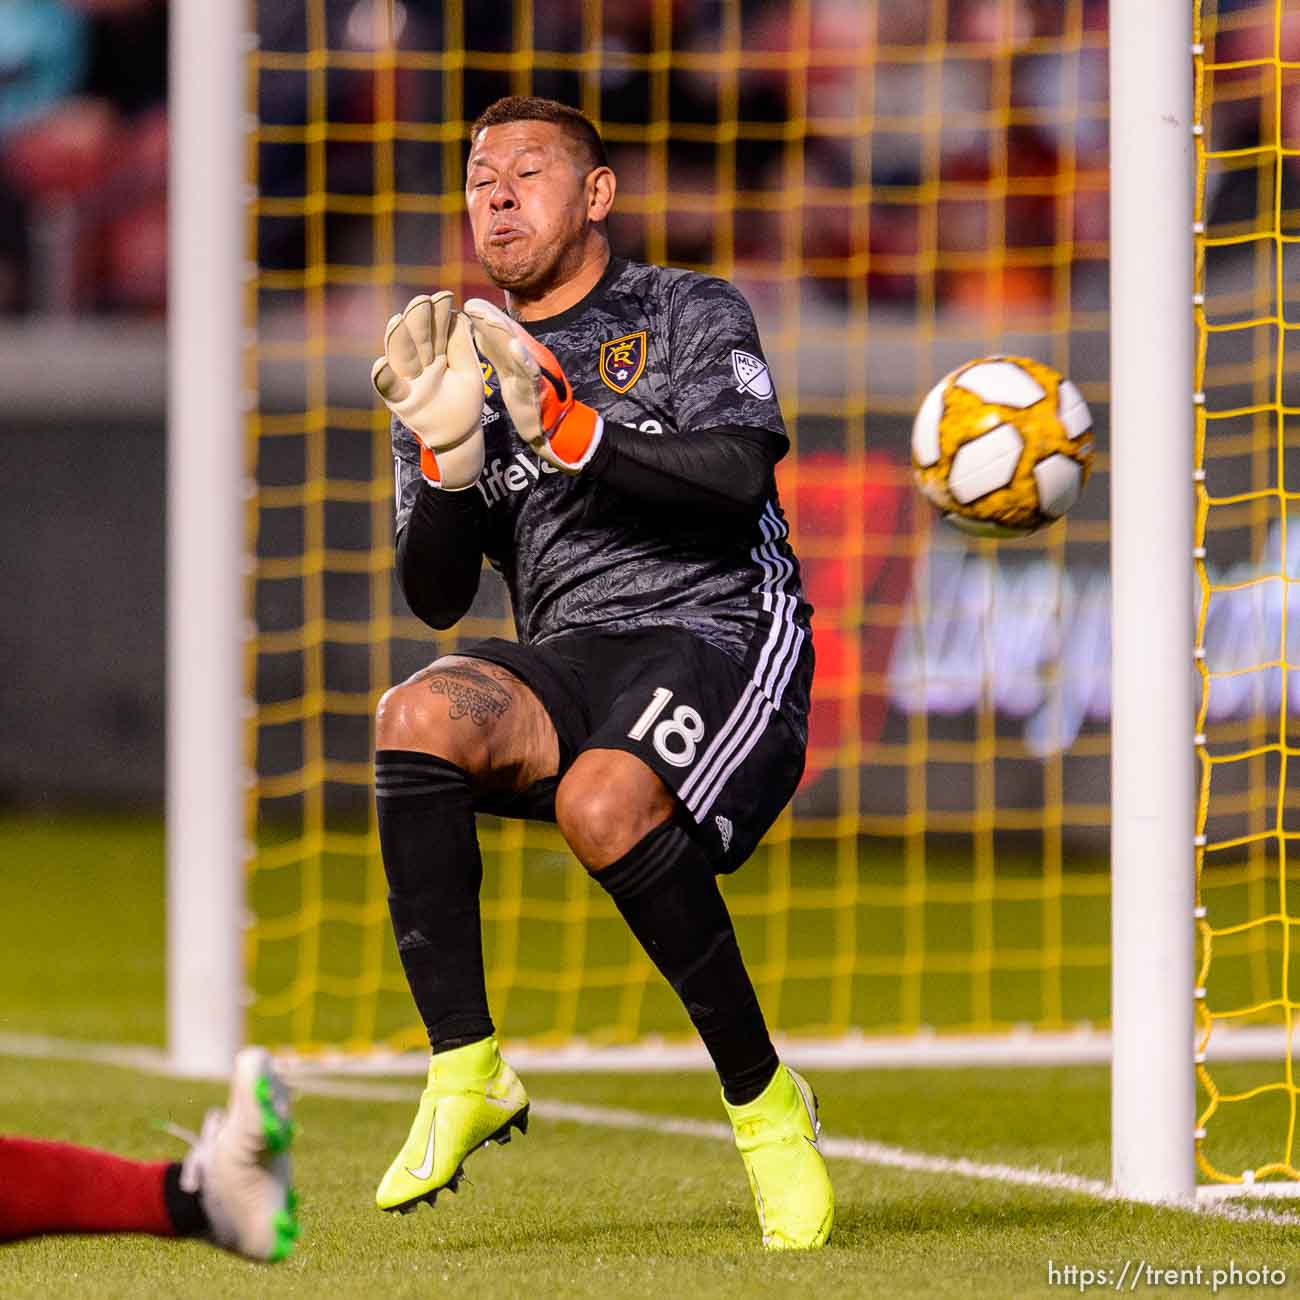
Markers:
532,207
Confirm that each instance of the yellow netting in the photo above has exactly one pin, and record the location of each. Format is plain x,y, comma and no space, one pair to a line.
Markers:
897,188
1248,242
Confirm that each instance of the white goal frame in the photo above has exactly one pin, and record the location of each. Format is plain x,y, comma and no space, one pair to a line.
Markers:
1153,1091
205,533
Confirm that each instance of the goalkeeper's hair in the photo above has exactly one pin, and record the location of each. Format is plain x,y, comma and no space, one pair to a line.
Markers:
532,108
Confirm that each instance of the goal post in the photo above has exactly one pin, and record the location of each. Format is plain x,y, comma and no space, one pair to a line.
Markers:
1152,865
205,536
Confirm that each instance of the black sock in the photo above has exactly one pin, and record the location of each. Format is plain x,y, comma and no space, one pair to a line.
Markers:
431,859
183,1208
667,893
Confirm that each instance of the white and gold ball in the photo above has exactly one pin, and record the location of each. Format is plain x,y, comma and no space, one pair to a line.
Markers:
1002,446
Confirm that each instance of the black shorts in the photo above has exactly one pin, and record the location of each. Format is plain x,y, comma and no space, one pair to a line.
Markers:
687,710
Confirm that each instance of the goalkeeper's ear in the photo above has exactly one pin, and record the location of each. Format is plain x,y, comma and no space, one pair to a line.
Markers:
601,185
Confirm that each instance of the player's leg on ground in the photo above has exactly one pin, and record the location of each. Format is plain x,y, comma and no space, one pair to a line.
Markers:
232,1187
459,726
625,827
55,1187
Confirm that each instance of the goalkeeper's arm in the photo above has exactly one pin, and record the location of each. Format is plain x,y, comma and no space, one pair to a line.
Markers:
727,470
440,554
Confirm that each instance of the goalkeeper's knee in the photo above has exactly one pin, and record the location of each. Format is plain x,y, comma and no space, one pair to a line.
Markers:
412,717
607,803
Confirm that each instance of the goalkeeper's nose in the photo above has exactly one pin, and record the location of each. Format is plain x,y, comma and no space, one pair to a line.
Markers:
502,198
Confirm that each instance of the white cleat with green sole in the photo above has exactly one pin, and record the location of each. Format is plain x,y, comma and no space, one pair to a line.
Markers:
239,1164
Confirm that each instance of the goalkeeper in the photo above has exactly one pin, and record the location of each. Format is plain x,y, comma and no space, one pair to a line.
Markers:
608,442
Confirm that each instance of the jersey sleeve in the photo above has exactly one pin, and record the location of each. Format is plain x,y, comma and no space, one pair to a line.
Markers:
720,377
406,472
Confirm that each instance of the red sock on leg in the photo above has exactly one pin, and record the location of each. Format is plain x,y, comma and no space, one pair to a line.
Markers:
57,1187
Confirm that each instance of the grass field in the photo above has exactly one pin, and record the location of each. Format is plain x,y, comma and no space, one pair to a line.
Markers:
576,1209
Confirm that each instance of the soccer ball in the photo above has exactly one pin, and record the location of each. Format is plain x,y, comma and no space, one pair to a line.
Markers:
1002,446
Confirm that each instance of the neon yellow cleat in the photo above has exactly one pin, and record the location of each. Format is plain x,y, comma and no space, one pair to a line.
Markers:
776,1135
473,1097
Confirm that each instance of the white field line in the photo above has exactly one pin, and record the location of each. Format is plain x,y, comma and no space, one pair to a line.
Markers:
1219,1201
1084,1046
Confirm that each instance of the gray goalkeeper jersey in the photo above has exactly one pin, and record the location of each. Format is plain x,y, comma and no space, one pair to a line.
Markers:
674,353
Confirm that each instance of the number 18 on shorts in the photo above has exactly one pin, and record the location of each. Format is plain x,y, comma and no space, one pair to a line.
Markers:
716,741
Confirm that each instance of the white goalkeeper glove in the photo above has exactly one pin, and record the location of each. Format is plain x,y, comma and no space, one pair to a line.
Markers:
431,379
537,393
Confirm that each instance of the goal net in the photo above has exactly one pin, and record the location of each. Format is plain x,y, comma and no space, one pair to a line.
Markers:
896,189
1247,558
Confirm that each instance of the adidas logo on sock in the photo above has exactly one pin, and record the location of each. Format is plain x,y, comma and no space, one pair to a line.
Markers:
724,829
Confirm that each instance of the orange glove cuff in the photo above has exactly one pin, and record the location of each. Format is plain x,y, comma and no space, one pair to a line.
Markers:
579,430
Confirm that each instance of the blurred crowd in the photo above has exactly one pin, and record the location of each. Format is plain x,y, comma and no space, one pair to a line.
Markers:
83,155
859,149
870,149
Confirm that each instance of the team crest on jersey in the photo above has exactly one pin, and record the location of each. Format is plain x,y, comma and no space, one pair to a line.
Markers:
623,360
488,372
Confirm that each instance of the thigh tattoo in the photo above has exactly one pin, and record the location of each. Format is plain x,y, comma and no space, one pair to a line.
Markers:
470,692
